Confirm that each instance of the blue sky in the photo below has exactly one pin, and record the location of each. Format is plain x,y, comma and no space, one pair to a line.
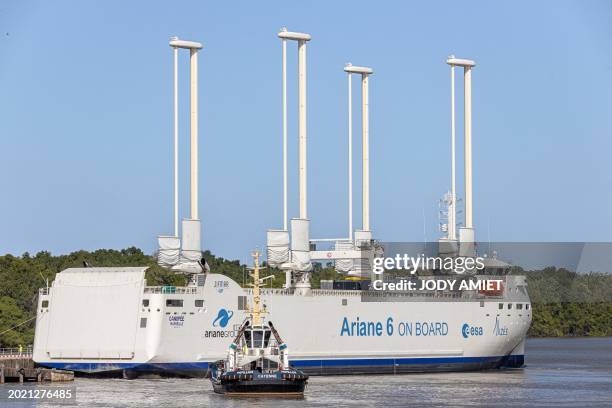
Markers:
85,129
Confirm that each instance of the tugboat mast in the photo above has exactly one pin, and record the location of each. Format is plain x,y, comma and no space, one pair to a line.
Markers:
256,311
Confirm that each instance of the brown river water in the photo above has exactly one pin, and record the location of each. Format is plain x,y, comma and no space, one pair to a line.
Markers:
568,372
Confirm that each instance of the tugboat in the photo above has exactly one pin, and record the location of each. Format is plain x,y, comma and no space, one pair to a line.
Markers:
257,361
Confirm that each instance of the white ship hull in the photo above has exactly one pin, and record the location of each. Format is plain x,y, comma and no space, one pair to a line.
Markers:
101,323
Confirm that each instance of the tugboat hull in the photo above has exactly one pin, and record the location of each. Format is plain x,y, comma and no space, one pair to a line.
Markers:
262,388
246,383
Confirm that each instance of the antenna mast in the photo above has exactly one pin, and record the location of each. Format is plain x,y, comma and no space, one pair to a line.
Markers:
256,309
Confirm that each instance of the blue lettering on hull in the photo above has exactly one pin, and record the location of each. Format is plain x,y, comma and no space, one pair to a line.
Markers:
362,328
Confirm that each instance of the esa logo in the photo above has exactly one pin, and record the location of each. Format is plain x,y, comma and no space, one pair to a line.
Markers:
467,331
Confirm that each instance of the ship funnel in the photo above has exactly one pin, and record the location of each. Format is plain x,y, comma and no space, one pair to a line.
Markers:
466,233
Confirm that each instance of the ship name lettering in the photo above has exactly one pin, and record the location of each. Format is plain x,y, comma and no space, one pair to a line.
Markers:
360,328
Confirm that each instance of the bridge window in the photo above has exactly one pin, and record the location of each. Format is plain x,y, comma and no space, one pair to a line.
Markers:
145,302
481,303
519,306
199,303
258,338
143,322
174,302
267,334
509,306
527,306
501,306
344,302
45,303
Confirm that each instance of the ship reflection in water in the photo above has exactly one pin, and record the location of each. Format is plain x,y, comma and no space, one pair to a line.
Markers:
559,372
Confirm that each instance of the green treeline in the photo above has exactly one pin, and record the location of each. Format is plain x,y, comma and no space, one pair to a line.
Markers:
569,304
571,319
564,303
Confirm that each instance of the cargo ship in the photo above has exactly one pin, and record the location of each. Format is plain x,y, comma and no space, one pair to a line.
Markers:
106,321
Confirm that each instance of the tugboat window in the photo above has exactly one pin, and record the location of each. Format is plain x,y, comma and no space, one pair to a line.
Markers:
199,303
267,334
258,338
247,338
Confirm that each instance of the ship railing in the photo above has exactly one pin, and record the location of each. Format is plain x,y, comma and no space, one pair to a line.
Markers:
328,292
171,290
315,292
420,294
508,283
271,291
16,352
336,292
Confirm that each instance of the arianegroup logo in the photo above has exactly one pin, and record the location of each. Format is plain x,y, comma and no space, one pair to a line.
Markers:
223,318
